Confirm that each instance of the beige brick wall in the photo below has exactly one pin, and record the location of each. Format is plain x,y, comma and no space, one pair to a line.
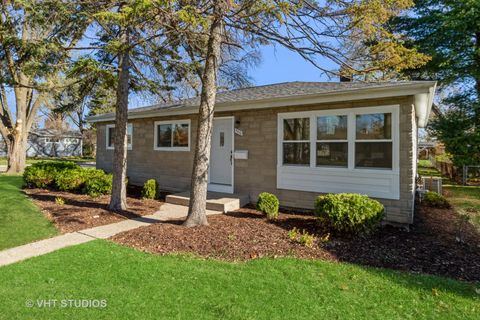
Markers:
172,169
258,173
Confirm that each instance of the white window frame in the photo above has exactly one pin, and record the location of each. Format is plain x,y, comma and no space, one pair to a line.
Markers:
172,122
375,182
351,133
108,126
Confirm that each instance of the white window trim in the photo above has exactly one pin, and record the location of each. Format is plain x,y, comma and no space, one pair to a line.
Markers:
172,122
350,113
326,179
129,146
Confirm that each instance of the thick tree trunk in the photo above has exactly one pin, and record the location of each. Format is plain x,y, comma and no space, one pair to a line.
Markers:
16,157
118,200
16,150
197,214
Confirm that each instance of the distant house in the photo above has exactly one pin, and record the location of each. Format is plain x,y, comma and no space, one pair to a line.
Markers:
51,143
297,140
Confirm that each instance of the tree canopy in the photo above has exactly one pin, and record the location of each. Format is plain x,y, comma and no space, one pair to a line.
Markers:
449,32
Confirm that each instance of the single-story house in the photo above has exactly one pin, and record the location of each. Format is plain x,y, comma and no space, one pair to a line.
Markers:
51,143
296,140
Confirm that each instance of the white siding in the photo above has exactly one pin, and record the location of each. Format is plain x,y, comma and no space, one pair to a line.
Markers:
378,183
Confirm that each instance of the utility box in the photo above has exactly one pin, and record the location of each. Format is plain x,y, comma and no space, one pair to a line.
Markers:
432,184
241,154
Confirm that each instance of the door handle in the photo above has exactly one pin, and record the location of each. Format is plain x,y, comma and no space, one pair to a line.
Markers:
231,157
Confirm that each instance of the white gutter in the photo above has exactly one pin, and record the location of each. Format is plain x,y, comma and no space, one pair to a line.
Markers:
415,89
423,106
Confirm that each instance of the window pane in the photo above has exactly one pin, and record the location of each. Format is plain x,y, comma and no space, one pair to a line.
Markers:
332,154
332,127
129,134
296,153
296,129
111,136
164,135
373,155
374,126
180,135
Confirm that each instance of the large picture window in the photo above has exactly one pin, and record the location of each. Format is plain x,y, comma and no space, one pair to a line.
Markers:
172,135
353,139
110,136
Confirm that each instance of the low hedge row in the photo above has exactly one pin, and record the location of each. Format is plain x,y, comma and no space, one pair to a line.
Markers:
67,176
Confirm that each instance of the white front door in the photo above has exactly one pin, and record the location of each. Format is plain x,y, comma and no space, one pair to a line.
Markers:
221,156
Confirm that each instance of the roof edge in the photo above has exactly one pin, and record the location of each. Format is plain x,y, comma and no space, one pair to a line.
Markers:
385,91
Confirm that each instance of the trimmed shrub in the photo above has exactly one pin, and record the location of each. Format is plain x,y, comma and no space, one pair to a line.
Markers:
70,179
349,212
268,204
434,199
97,182
43,174
149,190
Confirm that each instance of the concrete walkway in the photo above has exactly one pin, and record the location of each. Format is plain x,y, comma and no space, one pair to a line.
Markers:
167,212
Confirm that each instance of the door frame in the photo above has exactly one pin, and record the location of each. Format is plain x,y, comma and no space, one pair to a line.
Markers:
218,187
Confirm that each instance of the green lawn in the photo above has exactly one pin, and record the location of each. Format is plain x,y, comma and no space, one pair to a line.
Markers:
138,285
20,220
466,199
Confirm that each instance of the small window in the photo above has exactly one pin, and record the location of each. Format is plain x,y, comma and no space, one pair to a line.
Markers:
222,139
173,136
332,141
70,140
296,144
52,140
110,132
373,143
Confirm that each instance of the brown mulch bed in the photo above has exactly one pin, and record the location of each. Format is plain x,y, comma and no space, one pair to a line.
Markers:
82,211
439,242
234,236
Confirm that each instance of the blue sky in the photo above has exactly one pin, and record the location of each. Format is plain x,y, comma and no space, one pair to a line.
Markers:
278,64
281,65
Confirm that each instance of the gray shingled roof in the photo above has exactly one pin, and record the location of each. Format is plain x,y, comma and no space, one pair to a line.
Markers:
278,90
273,92
54,132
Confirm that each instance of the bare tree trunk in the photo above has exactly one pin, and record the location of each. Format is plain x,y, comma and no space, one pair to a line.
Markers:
16,150
197,214
118,200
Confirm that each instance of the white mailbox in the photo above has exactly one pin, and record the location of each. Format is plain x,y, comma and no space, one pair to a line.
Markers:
241,154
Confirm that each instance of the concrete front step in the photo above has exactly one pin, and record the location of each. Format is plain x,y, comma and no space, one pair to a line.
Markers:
216,201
